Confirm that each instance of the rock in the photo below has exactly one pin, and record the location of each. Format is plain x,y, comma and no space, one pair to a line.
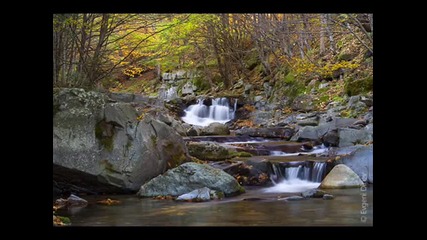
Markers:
248,88
367,100
258,98
187,89
313,193
314,121
303,103
318,133
328,197
180,74
73,200
239,84
118,114
122,97
215,129
188,177
331,138
294,198
349,137
247,174
210,151
101,147
193,131
323,85
198,195
355,87
361,162
278,132
341,176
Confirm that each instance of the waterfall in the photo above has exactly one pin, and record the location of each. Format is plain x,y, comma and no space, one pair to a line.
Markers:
297,176
292,172
318,171
201,115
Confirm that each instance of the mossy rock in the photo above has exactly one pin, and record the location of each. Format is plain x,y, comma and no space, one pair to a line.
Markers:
356,87
345,57
241,154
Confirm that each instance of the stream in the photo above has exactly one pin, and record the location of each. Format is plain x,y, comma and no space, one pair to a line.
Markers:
259,209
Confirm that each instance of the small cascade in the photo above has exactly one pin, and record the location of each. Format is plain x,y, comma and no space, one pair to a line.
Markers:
297,176
292,172
202,115
318,171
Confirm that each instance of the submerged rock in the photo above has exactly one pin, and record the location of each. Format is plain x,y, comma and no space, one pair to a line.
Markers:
328,197
188,177
313,193
341,176
294,198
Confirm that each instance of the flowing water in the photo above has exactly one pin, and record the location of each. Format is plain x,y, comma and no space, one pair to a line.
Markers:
202,115
253,208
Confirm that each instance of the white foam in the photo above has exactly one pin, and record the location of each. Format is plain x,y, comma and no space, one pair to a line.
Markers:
292,186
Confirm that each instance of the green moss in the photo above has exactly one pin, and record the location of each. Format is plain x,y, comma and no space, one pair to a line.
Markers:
106,141
108,166
65,220
154,140
289,79
345,57
241,154
241,189
200,83
355,87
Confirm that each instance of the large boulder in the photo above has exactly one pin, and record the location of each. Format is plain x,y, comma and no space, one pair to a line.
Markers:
188,177
361,162
104,143
341,176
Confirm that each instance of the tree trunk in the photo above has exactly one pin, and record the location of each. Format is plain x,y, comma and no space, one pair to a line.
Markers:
322,33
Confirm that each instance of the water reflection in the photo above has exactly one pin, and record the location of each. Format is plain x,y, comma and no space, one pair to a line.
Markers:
269,211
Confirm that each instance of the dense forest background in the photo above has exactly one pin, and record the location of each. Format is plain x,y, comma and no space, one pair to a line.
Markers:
130,52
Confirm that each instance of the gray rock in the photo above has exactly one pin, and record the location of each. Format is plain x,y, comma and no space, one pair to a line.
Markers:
341,176
313,193
328,197
119,114
74,200
258,98
313,121
248,88
303,103
122,97
98,144
361,162
349,137
208,151
215,129
188,177
198,195
180,74
331,138
187,89
323,85
239,84
273,132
